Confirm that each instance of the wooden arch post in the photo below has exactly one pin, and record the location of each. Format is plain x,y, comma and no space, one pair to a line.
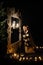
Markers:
12,13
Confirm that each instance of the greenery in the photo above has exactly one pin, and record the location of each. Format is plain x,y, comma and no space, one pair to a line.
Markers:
2,23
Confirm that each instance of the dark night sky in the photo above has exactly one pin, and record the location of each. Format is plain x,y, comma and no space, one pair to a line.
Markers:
31,15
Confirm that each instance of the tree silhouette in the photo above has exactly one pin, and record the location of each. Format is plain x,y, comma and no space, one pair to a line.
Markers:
3,30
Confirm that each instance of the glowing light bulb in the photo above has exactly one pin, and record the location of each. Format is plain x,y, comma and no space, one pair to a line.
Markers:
17,25
15,54
40,58
37,47
23,58
30,58
26,58
13,25
20,58
22,55
35,58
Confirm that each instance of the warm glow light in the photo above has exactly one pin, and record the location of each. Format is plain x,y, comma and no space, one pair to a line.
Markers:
30,58
35,58
40,58
20,59
22,55
25,40
24,36
13,25
27,34
17,25
37,47
23,58
40,47
15,54
26,58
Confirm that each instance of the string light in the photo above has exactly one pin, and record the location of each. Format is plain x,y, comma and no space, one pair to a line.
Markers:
37,47
35,58
17,25
26,58
15,54
40,47
22,55
20,58
40,58
30,58
23,58
13,25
